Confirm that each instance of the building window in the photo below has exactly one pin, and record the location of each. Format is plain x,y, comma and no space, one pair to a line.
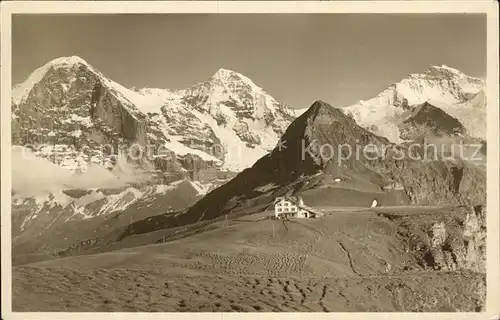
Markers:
279,209
294,209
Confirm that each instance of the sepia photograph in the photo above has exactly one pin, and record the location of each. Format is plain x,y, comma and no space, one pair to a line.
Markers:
258,162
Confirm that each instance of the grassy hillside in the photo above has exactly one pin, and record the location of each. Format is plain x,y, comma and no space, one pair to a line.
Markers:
350,260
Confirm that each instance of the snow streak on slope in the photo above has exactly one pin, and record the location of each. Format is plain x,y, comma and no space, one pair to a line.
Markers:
238,155
454,91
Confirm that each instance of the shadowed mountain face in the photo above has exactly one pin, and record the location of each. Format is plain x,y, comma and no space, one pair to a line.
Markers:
71,118
427,119
325,145
369,256
309,147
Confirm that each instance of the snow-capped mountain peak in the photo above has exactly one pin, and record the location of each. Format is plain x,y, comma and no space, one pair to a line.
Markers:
445,69
223,73
445,86
67,69
21,90
245,118
227,76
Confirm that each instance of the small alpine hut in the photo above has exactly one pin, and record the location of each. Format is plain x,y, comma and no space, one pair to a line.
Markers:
293,207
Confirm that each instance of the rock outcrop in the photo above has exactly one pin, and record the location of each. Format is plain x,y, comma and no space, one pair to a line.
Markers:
450,241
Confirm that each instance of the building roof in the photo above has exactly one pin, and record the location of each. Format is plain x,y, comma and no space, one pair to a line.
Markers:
307,208
293,199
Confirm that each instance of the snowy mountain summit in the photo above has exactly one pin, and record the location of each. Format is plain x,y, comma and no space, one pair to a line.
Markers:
67,110
457,94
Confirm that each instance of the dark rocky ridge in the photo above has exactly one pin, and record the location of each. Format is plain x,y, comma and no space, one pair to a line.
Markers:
426,182
422,182
427,119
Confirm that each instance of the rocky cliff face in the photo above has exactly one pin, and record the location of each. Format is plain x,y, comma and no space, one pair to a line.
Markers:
437,182
449,241
69,114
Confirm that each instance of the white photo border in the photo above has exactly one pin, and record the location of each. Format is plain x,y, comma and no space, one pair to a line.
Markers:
490,8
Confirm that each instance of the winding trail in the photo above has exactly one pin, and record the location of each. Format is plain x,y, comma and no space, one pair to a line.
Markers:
348,254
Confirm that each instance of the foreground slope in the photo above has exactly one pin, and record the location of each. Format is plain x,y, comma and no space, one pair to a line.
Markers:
400,259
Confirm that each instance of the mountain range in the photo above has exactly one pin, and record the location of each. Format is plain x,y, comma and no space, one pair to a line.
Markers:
221,143
226,122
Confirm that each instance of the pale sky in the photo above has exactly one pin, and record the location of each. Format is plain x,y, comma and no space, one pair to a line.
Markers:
297,58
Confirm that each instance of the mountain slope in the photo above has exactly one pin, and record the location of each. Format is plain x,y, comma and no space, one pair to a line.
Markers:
452,91
72,115
297,168
303,165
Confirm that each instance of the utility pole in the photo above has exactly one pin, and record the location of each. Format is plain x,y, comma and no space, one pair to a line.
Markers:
225,221
273,229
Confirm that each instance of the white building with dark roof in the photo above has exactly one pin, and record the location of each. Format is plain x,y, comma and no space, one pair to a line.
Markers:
293,207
